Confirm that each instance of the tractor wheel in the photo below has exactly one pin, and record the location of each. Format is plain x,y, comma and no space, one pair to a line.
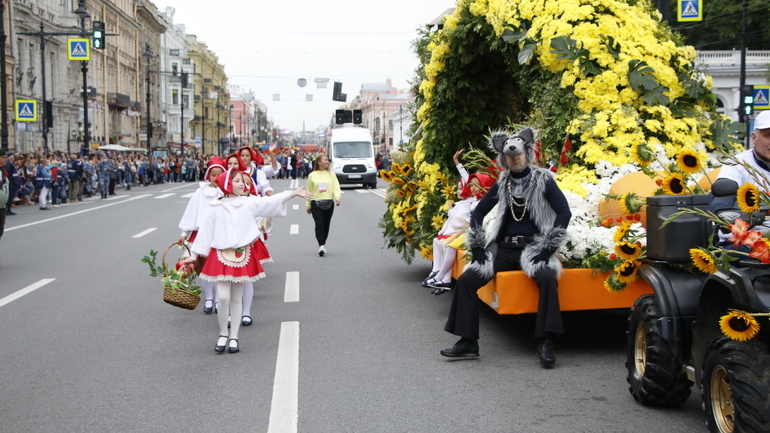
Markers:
655,375
736,386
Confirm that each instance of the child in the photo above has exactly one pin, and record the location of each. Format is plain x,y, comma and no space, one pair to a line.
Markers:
193,216
227,236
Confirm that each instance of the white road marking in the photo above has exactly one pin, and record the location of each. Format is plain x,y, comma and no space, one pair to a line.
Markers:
139,235
29,289
295,207
294,229
363,191
188,195
7,229
291,289
380,192
284,408
165,195
184,185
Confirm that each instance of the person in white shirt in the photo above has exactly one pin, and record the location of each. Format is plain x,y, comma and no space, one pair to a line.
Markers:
191,220
226,236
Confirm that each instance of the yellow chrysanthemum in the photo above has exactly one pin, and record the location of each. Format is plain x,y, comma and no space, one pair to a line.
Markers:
748,198
631,203
628,251
703,260
627,270
674,184
688,162
613,284
621,231
739,325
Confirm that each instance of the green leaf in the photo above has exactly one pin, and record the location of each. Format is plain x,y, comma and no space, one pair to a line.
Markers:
641,76
726,134
613,47
565,48
680,109
527,51
656,96
692,87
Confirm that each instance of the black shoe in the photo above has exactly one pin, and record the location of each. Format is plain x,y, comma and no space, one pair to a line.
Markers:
439,291
218,348
545,353
210,308
246,321
425,281
233,348
440,285
463,349
10,212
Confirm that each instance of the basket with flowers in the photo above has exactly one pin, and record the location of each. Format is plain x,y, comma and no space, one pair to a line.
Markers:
179,288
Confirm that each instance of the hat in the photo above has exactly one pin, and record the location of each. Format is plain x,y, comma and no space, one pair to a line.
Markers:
505,143
214,162
762,121
225,180
255,156
485,182
241,166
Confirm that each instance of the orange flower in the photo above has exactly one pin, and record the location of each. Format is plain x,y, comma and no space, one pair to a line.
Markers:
739,229
760,250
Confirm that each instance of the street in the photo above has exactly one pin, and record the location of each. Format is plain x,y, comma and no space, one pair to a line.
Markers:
88,345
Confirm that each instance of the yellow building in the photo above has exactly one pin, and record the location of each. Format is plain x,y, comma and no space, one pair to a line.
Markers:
212,102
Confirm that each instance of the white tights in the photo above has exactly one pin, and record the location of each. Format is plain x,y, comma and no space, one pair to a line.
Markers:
248,296
443,260
230,298
208,290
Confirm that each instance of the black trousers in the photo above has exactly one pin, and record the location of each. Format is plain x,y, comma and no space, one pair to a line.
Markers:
463,318
323,219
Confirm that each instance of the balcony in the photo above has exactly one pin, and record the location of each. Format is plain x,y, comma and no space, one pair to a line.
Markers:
118,100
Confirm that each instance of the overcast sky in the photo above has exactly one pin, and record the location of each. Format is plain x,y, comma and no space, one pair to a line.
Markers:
267,46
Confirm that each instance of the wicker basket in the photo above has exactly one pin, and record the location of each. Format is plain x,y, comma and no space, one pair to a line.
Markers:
179,297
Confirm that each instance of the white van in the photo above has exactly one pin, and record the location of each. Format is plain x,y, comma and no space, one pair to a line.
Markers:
351,154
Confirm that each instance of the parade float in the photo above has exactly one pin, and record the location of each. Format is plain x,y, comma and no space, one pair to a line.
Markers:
622,113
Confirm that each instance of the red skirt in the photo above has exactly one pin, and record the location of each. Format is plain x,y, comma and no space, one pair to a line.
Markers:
193,235
239,265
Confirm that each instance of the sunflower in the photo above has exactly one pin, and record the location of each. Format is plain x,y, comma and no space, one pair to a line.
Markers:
673,184
631,203
387,176
395,168
622,231
642,154
406,169
398,180
748,198
627,270
628,251
401,193
688,162
704,260
613,284
739,325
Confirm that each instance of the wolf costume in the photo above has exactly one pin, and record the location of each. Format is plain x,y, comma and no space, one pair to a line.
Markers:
525,232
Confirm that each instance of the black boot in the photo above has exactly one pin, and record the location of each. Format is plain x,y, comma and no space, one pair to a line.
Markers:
464,348
545,353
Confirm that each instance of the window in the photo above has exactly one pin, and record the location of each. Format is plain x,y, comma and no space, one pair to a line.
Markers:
173,52
174,97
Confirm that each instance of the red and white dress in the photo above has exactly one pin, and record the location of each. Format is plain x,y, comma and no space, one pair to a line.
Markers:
230,236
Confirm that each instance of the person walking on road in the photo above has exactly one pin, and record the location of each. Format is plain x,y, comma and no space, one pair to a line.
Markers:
323,184
5,187
43,183
105,168
75,173
227,237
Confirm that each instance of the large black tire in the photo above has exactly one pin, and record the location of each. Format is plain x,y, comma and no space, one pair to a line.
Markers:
655,375
736,386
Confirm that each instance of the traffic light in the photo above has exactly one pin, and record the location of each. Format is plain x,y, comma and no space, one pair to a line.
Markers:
337,94
98,35
748,100
358,117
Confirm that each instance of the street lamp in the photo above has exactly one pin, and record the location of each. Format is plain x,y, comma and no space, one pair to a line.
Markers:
83,14
3,83
148,55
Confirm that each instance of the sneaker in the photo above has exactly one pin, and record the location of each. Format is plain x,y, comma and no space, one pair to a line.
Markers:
322,250
10,212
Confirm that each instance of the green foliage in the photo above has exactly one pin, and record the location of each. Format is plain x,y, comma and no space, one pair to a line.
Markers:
571,50
170,276
724,135
642,78
721,26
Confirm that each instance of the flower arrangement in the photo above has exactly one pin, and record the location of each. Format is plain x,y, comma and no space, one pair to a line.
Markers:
180,277
610,89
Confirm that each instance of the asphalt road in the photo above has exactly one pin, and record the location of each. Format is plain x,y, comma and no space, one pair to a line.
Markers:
89,346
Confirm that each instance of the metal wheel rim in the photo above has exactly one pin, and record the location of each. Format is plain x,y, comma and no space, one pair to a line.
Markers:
640,350
722,400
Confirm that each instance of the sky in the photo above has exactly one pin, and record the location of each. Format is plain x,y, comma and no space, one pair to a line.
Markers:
267,46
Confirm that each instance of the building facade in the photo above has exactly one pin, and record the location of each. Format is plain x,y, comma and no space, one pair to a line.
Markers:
211,121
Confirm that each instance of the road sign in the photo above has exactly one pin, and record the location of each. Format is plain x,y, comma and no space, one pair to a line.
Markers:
761,97
79,49
689,10
26,110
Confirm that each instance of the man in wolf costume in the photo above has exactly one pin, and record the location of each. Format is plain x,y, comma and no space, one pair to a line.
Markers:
527,230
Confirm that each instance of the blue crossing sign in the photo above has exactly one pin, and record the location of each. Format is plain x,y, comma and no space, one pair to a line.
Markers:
26,110
689,10
761,97
79,49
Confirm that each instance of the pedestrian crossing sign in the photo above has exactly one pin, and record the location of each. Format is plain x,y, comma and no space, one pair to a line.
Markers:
26,110
79,49
689,10
761,97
